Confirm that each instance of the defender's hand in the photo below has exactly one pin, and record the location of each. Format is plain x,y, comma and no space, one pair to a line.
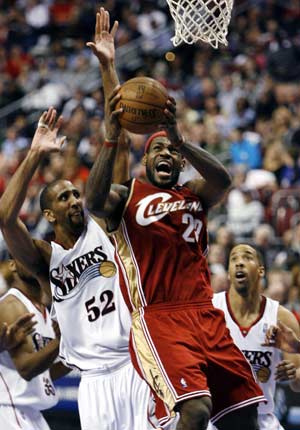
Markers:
45,139
14,334
104,45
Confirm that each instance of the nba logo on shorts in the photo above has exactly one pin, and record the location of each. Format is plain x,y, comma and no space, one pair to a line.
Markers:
183,383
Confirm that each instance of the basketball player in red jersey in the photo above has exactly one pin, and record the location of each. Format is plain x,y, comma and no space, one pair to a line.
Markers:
180,343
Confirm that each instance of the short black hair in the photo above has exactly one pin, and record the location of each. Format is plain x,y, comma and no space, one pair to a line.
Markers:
259,255
45,196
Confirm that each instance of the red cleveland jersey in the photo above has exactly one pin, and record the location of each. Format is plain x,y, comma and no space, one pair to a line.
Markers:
162,242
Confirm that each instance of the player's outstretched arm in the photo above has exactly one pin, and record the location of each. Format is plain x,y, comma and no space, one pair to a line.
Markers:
282,337
103,48
14,334
100,177
216,179
18,240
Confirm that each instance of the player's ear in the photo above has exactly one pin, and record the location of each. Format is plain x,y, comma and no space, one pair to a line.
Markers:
261,271
144,159
12,265
49,215
182,164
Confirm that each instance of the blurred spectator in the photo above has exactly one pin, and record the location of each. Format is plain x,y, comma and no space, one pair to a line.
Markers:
278,160
244,115
278,285
219,282
225,238
244,218
283,58
264,242
245,149
228,95
13,142
37,14
217,259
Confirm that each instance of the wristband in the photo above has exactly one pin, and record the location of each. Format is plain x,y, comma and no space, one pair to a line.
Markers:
110,143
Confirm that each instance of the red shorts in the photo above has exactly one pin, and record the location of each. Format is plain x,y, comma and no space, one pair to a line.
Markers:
186,351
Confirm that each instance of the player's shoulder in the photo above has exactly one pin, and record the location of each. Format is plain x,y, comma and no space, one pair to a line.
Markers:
11,307
44,249
287,317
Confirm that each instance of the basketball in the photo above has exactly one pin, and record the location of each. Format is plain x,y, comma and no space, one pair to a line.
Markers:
143,101
107,269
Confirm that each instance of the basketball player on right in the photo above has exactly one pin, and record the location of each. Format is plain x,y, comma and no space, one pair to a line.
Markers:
180,343
248,316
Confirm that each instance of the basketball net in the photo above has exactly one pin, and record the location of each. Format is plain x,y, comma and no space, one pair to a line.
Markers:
205,20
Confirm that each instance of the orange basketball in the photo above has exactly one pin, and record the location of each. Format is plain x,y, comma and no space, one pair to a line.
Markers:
143,101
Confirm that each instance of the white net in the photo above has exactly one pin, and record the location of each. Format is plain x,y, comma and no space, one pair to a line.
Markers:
205,20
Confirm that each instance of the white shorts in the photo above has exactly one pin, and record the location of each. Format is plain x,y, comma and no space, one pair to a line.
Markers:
13,418
119,400
265,422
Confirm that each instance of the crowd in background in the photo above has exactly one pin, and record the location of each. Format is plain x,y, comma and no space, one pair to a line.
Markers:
241,103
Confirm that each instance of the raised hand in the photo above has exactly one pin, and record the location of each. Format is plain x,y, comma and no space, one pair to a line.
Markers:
170,124
282,337
45,139
104,45
14,334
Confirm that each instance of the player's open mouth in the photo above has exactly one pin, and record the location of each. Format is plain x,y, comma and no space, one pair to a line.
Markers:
164,168
77,213
240,276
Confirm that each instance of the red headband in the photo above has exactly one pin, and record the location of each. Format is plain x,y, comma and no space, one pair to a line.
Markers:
152,137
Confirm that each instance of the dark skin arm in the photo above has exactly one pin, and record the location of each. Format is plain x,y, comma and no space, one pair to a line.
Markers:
289,368
29,363
283,337
100,177
121,167
215,179
35,256
58,370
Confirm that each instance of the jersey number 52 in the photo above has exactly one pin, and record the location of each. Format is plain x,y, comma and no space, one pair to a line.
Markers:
105,306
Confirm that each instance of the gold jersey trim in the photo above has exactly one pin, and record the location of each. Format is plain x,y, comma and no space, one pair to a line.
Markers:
148,363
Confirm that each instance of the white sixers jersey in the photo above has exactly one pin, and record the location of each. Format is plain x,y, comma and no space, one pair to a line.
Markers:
39,393
263,359
88,304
